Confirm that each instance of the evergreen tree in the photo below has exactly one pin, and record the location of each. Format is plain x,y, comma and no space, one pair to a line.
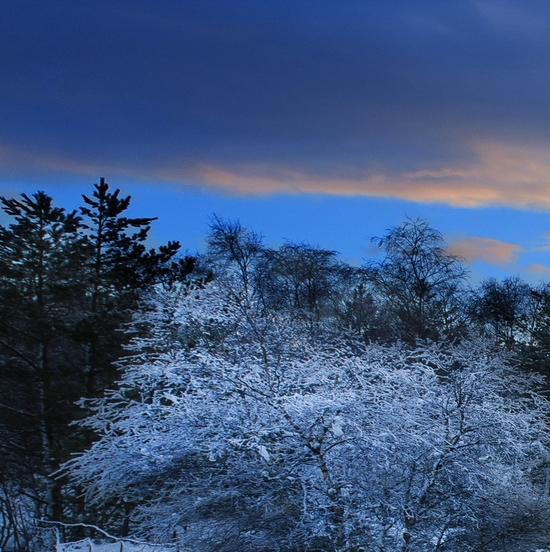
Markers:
40,256
70,282
118,266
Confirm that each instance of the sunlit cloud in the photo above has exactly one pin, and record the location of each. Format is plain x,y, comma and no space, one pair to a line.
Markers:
502,175
539,269
486,249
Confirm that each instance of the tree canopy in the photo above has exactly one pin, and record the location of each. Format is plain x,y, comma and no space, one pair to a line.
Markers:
233,428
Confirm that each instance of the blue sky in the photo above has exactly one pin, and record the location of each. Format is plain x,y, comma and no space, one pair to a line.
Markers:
318,121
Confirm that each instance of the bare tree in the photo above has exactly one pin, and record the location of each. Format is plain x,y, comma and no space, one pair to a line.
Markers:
232,248
419,282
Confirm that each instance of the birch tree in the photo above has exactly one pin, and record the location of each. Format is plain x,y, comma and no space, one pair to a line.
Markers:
419,282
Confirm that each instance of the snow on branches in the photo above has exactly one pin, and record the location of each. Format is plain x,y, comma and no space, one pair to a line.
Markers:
234,426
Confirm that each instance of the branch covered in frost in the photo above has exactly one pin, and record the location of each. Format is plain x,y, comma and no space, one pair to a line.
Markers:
234,427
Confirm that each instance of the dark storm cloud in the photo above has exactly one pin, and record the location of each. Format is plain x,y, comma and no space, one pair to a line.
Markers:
290,92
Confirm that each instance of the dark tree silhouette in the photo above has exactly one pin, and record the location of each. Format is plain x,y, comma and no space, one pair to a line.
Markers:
419,282
70,283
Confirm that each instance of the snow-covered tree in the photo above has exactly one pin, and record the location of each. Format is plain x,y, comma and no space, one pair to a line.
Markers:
233,429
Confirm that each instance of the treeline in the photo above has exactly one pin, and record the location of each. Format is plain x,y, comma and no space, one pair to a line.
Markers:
418,291
76,288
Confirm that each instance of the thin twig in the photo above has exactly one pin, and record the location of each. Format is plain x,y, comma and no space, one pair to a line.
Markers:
103,532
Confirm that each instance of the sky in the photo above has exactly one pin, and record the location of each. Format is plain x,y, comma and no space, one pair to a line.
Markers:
326,122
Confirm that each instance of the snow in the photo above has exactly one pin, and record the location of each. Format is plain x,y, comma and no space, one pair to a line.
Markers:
258,432
88,545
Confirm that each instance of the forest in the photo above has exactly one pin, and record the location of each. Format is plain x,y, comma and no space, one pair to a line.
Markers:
264,399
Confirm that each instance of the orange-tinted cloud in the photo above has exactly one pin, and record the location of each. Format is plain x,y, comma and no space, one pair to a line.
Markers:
486,249
502,175
538,269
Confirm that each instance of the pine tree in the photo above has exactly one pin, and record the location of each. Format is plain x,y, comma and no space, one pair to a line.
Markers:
70,282
118,267
40,255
